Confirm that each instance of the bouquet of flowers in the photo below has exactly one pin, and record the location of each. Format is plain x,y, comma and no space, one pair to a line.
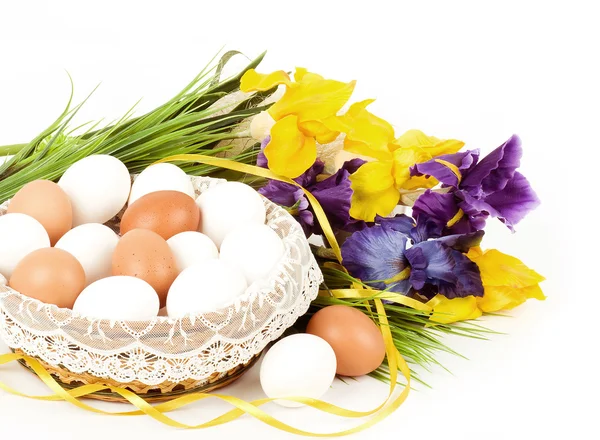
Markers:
361,173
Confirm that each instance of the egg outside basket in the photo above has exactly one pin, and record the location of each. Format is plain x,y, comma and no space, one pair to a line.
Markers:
164,358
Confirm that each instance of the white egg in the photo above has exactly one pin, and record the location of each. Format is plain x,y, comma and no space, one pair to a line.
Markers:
191,248
20,235
255,249
119,298
161,177
228,206
98,187
300,365
204,287
3,280
93,245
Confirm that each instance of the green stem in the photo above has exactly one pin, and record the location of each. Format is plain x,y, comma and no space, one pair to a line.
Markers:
7,150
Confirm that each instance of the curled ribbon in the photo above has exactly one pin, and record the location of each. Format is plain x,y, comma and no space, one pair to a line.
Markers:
159,412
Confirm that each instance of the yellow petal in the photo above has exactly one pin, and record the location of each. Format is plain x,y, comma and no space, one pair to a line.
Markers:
414,138
447,310
430,146
449,146
373,191
507,282
303,75
475,252
253,81
497,298
499,269
366,133
319,131
313,100
290,152
404,158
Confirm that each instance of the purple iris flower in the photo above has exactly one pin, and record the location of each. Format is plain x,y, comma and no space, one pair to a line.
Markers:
333,193
490,187
376,255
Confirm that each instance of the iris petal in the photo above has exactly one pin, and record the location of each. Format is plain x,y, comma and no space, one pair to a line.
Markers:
494,171
436,207
290,152
313,100
373,191
506,280
376,253
445,174
451,272
446,311
252,81
515,201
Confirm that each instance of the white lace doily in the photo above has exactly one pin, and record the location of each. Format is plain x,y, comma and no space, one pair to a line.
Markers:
165,349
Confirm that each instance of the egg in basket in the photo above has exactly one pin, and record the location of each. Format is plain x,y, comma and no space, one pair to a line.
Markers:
170,285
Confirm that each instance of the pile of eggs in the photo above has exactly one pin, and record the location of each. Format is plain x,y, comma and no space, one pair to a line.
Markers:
175,254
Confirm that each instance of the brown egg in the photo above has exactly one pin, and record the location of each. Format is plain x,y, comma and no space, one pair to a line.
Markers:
51,275
144,254
46,202
355,339
165,212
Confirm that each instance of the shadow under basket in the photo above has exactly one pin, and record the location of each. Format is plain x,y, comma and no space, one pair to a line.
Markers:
150,393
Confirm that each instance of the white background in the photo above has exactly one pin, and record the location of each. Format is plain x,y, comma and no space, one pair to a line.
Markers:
476,71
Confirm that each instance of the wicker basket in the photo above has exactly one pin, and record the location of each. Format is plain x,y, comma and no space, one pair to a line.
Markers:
151,393
165,358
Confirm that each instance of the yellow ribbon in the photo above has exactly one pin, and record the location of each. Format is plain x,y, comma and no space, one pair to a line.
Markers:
376,294
158,412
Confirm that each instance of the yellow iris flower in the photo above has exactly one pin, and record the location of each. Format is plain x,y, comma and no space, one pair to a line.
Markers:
507,283
376,185
299,116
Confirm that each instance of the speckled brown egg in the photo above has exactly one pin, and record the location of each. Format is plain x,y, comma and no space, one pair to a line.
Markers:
46,202
144,254
51,275
165,212
355,339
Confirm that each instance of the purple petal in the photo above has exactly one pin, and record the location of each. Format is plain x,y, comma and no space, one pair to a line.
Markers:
400,223
462,242
353,165
468,279
430,261
445,271
290,196
309,177
335,194
281,193
463,161
494,171
514,202
435,207
261,159
307,221
376,253
476,211
419,231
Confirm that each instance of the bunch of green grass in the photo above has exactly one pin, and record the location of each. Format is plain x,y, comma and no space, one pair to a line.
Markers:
191,122
417,339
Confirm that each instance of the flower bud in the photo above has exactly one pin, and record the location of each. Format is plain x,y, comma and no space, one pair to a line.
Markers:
261,124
